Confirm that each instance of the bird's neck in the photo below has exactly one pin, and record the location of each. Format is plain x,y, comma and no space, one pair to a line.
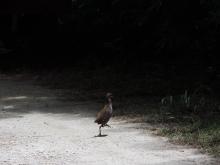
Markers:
110,103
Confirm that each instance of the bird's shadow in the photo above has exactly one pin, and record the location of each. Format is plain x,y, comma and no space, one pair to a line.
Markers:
100,135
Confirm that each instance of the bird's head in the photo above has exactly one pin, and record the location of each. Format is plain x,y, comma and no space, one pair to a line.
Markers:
109,95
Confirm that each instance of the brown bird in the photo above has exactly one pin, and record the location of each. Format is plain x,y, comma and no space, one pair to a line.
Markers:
105,114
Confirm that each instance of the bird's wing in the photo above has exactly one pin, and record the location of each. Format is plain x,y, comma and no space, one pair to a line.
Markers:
102,115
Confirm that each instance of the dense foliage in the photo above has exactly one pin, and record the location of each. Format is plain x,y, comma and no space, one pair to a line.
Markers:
175,32
184,31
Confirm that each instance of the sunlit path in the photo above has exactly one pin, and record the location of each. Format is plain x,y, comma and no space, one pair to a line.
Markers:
36,127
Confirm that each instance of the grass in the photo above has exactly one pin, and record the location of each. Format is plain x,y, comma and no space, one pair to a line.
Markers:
194,123
207,138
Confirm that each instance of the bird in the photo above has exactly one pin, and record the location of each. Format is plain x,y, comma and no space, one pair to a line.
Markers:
104,115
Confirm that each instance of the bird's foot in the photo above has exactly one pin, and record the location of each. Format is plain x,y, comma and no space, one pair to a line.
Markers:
106,125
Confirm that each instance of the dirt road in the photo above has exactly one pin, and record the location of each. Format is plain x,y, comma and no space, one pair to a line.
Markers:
40,128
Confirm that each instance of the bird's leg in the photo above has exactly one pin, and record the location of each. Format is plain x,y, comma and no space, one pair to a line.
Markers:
107,125
100,130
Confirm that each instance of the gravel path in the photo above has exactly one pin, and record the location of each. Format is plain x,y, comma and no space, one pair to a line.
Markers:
38,127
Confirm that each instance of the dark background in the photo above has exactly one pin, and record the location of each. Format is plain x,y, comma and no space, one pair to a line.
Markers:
172,38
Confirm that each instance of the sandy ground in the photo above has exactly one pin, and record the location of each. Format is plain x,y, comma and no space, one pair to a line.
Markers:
39,127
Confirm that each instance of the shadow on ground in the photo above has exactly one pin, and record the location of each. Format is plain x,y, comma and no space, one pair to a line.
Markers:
17,99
